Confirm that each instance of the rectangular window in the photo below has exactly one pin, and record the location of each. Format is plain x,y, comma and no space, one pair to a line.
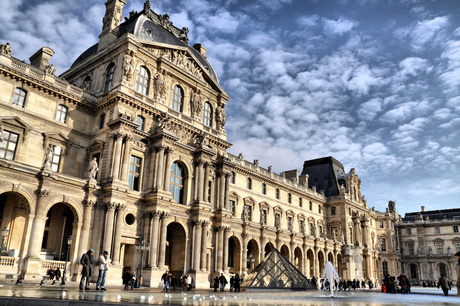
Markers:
333,210
101,121
437,230
300,202
277,194
232,177
302,226
312,229
381,224
383,245
264,188
455,229
439,248
319,208
457,246
61,114
231,205
410,246
249,210
8,145
209,191
409,231
249,183
289,198
56,159
134,172
311,205
19,97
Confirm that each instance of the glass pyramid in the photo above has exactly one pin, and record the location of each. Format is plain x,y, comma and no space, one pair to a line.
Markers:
276,272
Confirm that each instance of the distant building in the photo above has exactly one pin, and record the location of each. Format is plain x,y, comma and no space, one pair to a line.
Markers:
127,152
429,240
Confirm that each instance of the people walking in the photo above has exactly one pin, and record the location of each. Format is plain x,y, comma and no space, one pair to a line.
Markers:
237,283
443,282
132,279
166,278
189,282
223,282
87,269
173,282
57,274
216,283
104,261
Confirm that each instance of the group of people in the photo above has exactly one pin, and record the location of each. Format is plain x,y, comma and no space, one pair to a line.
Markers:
221,282
392,284
169,281
54,274
87,263
343,284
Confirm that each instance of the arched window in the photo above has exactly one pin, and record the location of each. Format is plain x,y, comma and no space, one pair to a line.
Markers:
177,98
207,114
176,185
109,77
142,80
140,122
61,114
19,97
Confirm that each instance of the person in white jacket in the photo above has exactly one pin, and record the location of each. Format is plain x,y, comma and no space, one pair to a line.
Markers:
103,262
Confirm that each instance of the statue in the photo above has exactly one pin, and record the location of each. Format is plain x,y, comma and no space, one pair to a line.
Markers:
291,224
245,215
201,139
160,83
314,231
163,120
263,217
270,169
391,206
195,101
128,65
183,35
49,69
256,162
277,220
221,117
2,136
343,239
6,49
325,233
240,156
48,156
86,84
165,23
93,169
430,251
302,227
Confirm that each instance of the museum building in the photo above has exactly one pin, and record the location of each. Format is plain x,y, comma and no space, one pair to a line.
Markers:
126,151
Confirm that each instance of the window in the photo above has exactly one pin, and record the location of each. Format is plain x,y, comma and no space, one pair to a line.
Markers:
177,98
140,122
439,248
334,233
457,246
209,190
333,210
248,208
383,244
101,121
134,173
320,230
381,224
413,271
302,226
19,97
289,198
142,80
385,268
231,206
437,230
109,77
410,246
176,186
264,188
232,177
349,211
249,183
409,231
8,145
319,208
312,229
311,205
277,193
455,229
61,114
300,202
56,158
207,114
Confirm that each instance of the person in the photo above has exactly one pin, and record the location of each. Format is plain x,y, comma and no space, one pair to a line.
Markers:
87,262
223,282
183,280
173,282
232,283
165,278
216,283
51,274
371,285
132,279
443,282
458,273
126,279
57,274
313,280
103,267
189,282
237,283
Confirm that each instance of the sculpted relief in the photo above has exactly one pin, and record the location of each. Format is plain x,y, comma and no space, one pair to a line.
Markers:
180,59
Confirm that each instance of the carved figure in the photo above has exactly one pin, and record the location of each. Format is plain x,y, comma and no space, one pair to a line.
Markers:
195,101
221,117
201,139
128,65
245,213
302,227
263,217
270,169
324,233
6,49
183,35
277,220
160,83
291,224
49,69
392,205
343,239
314,231
93,169
87,85
48,156
240,156
163,120
1,135
165,23
256,162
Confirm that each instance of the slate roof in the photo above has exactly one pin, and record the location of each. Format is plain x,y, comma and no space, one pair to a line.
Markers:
434,214
325,173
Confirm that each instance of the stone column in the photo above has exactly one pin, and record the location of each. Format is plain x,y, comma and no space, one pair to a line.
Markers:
366,233
226,236
206,182
245,252
316,263
126,159
167,175
37,225
151,176
221,190
199,181
162,255
117,156
159,179
109,227
117,240
220,248
84,236
154,239
204,244
227,189
197,245
97,225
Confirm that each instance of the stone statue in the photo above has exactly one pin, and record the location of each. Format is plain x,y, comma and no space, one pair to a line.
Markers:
163,120
49,69
430,251
240,156
291,224
270,169
256,162
449,251
391,206
2,136
165,23
160,83
86,85
6,49
183,35
201,139
128,65
302,227
343,238
245,215
263,217
195,101
314,231
324,233
48,156
93,169
277,220
221,117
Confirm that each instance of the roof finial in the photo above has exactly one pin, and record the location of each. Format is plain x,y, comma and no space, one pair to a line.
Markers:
147,5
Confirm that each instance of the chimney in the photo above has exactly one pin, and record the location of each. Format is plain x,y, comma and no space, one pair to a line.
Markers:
423,208
111,22
200,48
41,58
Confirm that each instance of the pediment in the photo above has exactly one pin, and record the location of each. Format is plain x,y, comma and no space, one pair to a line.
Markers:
15,121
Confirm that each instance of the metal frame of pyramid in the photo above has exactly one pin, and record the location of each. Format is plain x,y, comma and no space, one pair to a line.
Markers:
277,273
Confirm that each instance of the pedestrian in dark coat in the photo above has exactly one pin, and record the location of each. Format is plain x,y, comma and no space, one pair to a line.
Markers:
216,284
444,283
237,283
87,263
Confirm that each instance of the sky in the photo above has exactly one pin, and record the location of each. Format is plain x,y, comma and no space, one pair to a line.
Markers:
373,83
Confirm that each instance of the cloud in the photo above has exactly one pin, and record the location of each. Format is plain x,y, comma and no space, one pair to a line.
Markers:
426,33
338,27
368,110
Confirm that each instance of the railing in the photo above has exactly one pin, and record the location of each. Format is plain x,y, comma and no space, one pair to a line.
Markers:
7,261
48,264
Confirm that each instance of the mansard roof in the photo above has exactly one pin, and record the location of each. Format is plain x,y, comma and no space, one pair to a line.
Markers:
325,174
433,214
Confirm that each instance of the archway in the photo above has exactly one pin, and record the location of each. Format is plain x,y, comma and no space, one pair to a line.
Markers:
234,258
340,266
321,262
58,227
14,214
310,263
268,248
330,258
252,252
175,248
442,270
298,259
413,275
285,251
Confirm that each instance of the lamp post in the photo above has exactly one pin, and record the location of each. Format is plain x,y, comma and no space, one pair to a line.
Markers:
141,246
69,243
4,234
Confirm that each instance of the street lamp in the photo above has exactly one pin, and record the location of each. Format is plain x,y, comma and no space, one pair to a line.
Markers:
141,246
4,234
69,243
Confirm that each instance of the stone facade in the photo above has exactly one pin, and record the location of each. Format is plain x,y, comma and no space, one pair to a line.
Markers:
129,145
429,240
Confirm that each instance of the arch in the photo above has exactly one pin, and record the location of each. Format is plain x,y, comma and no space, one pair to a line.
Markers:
285,251
75,207
442,268
340,266
330,257
30,198
252,251
109,77
268,248
413,271
177,101
321,262
207,114
310,263
298,262
143,80
234,254
176,239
